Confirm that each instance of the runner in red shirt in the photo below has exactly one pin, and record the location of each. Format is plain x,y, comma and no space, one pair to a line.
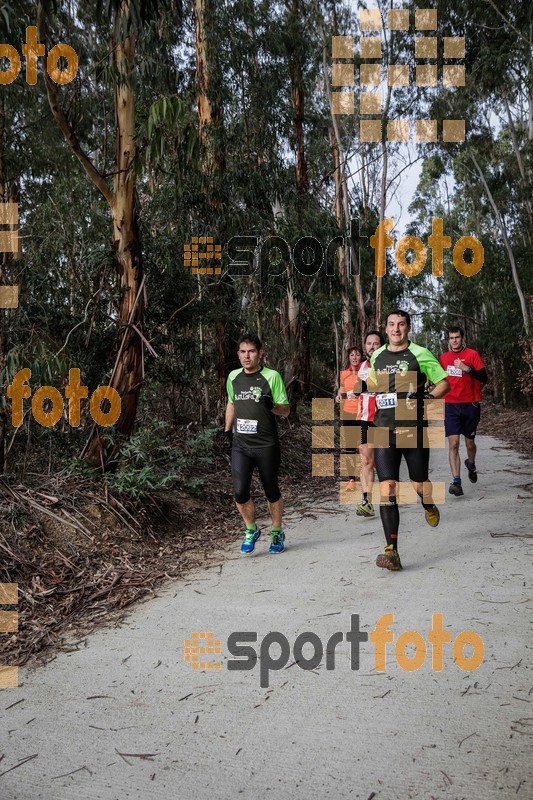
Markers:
466,374
347,396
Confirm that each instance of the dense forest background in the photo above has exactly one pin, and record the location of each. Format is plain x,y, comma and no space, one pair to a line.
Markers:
214,120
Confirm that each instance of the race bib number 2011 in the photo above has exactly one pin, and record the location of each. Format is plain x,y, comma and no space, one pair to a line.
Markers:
246,426
386,400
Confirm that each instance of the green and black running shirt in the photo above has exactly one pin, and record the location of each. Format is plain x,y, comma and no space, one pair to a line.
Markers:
254,425
393,376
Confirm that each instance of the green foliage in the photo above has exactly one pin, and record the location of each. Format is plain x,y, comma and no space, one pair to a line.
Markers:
147,463
69,289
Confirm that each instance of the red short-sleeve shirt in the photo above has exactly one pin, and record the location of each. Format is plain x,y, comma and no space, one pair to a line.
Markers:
463,387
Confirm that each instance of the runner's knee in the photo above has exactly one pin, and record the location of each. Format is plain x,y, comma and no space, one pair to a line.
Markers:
366,458
241,494
388,488
273,495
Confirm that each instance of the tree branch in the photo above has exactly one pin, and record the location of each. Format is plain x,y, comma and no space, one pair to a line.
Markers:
65,127
506,243
448,310
507,22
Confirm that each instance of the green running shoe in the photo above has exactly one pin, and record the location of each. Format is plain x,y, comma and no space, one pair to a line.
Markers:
250,538
365,510
432,516
390,559
277,539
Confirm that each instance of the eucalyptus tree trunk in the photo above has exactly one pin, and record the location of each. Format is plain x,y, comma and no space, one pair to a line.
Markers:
508,249
127,374
346,317
210,116
346,256
382,208
213,163
293,312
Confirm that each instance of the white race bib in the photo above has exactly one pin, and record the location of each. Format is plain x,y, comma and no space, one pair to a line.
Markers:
455,371
246,426
386,400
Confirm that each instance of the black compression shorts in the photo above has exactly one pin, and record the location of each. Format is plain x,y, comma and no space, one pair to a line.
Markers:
267,461
387,459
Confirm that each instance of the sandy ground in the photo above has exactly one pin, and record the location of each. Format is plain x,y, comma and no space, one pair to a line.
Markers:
124,716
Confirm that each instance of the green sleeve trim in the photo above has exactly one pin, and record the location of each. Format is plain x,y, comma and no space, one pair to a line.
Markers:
229,383
277,387
428,363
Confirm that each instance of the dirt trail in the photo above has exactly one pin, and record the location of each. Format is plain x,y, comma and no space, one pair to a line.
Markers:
124,716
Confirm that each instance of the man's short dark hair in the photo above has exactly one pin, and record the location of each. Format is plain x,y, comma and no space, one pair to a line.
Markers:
399,313
251,338
456,329
374,333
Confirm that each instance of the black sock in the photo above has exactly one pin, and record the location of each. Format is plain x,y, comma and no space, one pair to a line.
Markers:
390,518
365,497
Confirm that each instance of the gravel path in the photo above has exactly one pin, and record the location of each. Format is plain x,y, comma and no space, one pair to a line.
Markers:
124,716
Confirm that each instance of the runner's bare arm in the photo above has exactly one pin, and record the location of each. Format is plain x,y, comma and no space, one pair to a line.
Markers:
340,390
281,410
230,416
440,389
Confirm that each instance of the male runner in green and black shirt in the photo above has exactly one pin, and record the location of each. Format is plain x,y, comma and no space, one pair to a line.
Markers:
255,395
399,373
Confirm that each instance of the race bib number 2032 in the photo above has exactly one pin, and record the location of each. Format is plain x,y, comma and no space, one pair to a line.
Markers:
246,426
455,371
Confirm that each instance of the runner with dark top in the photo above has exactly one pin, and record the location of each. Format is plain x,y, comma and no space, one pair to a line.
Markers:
462,410
365,414
348,397
398,375
255,395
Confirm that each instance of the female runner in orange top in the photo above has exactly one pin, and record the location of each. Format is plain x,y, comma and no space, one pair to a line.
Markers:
348,397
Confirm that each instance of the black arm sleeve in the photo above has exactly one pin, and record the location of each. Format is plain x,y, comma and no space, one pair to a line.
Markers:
480,375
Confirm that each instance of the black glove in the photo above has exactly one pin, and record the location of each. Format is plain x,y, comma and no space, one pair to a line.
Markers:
425,396
266,401
228,438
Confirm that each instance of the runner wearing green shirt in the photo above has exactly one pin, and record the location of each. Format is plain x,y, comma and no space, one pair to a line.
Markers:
399,372
255,395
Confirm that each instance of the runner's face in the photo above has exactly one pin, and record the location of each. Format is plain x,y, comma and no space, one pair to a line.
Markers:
397,329
249,356
456,341
355,358
372,343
